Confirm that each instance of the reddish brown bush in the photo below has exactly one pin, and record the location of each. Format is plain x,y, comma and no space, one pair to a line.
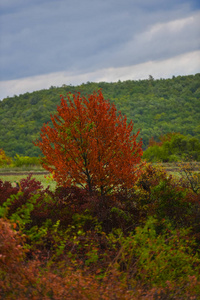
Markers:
6,190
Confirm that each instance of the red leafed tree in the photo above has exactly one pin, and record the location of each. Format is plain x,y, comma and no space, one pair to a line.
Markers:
90,144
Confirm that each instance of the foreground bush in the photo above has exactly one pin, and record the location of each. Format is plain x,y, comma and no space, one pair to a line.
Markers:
139,243
166,197
34,279
30,280
155,258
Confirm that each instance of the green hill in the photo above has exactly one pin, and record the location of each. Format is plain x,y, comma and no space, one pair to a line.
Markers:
155,106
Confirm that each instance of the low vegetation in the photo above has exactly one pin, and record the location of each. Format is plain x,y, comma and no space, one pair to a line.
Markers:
139,243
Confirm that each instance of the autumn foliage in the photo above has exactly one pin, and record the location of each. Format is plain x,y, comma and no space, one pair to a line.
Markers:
90,144
143,245
4,160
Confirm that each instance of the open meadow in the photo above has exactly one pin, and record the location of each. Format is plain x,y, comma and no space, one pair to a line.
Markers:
16,174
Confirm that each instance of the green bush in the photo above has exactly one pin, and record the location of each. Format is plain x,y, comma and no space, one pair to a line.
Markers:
20,161
153,258
156,153
172,148
161,195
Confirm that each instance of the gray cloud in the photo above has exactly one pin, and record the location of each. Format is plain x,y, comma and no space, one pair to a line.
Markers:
46,36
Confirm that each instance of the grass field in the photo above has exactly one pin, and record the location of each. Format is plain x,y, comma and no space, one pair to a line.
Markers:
16,174
40,177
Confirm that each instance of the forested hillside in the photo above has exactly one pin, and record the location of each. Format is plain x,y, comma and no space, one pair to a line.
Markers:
155,106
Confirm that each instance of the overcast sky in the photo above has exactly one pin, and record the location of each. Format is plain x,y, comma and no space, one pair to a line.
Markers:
56,42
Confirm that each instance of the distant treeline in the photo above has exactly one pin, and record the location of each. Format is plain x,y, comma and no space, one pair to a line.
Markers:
157,107
173,147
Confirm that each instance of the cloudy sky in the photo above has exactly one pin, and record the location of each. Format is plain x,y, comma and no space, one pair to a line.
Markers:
55,42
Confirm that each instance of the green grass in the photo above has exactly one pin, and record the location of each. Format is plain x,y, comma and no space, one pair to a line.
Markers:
21,169
171,169
42,178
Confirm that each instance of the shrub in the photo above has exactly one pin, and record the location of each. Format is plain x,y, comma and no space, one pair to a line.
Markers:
70,244
20,279
20,161
173,147
153,258
164,197
190,175
4,160
6,190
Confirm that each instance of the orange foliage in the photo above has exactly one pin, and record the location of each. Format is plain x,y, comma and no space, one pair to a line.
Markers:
162,138
90,144
4,160
23,278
